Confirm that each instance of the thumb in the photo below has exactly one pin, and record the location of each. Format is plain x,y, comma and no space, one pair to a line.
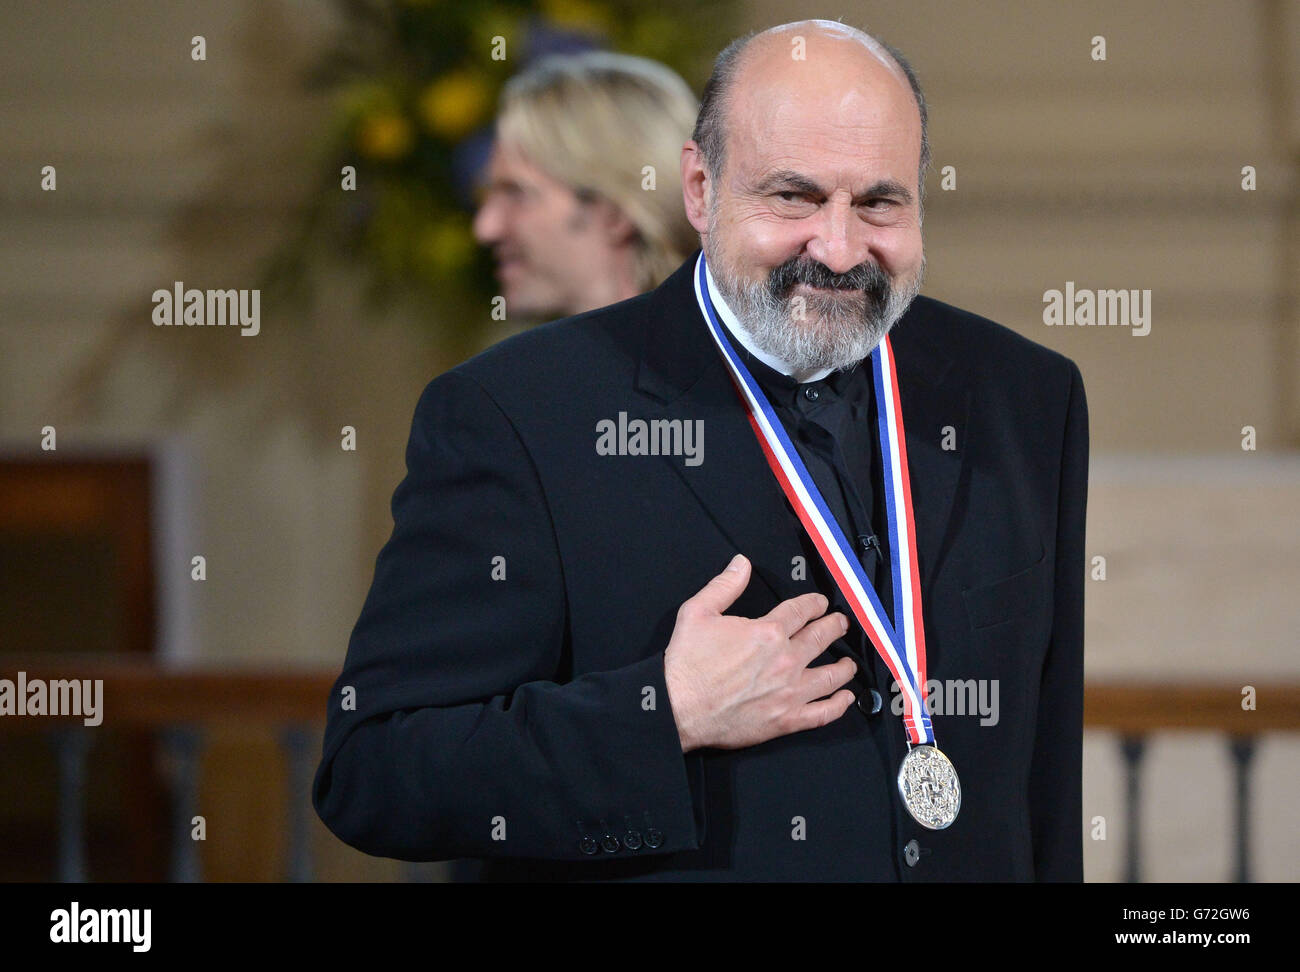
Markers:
721,592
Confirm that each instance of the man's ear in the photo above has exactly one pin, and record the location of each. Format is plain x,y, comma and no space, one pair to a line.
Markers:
695,187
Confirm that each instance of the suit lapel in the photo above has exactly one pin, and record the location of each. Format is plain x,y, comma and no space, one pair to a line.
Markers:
684,377
936,396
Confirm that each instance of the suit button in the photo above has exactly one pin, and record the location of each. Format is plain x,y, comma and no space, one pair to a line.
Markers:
632,840
610,843
653,838
588,845
911,853
872,707
810,393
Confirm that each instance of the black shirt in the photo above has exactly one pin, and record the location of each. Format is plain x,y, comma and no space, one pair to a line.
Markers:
832,424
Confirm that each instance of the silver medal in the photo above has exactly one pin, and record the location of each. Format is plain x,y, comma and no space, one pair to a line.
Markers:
929,787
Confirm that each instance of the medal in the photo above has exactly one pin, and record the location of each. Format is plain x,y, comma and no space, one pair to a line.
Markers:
927,781
929,787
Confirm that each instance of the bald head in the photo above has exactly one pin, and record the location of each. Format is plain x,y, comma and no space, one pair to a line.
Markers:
826,46
808,65
810,220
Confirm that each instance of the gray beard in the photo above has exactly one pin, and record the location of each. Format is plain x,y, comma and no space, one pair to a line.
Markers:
829,332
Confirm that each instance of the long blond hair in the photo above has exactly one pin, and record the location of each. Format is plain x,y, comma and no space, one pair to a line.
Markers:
595,121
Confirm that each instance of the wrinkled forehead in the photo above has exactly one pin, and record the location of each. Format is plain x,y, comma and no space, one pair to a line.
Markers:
846,133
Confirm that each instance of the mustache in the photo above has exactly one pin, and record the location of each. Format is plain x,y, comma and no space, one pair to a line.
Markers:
867,278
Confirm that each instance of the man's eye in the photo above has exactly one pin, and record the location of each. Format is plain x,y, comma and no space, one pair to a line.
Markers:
798,200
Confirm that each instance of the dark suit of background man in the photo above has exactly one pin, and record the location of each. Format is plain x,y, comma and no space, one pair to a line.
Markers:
554,672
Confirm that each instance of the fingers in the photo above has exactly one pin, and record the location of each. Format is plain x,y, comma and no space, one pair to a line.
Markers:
815,637
793,614
822,680
814,715
721,592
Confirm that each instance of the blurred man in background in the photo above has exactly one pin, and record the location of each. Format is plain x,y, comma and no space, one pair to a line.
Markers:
582,201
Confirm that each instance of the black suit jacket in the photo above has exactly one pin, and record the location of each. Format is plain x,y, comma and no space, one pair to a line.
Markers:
503,695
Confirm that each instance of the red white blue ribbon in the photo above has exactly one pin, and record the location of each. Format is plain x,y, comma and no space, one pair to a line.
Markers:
901,646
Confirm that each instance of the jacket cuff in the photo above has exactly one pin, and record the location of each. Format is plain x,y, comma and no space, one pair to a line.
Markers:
658,811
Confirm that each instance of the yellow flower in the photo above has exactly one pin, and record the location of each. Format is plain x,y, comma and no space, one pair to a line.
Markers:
385,135
454,104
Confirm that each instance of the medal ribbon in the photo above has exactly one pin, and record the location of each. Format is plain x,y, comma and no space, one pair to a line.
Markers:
903,651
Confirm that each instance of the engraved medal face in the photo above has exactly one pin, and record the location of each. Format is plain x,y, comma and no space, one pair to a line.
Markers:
928,784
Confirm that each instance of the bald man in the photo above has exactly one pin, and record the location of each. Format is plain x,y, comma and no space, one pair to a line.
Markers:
773,573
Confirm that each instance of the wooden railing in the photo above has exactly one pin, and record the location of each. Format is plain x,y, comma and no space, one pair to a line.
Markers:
141,694
1137,709
182,703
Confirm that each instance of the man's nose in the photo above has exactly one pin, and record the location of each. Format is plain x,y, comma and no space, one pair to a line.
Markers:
488,223
841,240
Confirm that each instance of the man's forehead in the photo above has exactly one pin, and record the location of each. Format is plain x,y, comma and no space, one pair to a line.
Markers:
508,163
842,142
823,109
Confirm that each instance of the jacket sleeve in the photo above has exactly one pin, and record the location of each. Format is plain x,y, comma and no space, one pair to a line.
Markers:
1056,773
452,731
